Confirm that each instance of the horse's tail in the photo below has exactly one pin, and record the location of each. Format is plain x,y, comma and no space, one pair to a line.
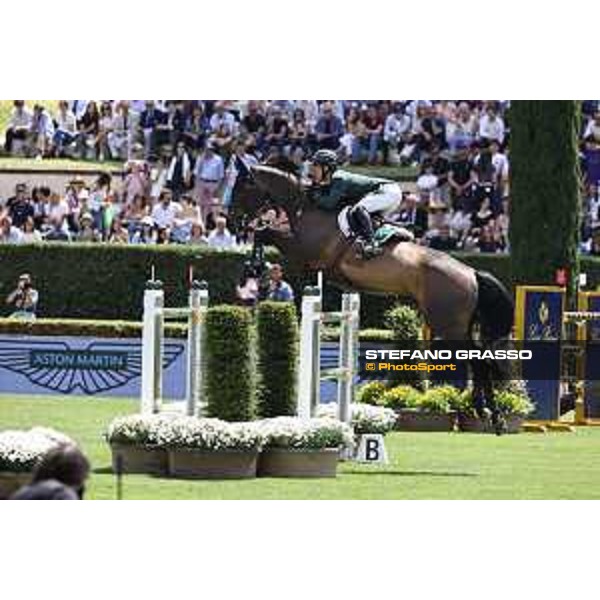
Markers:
495,309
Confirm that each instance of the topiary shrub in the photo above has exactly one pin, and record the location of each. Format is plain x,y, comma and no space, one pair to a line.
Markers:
371,393
277,330
404,321
229,380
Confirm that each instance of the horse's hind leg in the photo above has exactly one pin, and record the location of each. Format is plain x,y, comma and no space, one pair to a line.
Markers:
483,394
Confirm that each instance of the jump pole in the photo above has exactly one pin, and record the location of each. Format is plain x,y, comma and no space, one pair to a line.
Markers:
309,370
155,315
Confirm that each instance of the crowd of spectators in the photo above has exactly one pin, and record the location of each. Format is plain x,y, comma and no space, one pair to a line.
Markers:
180,165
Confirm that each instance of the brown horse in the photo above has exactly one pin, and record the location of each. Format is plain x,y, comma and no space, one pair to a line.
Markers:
452,296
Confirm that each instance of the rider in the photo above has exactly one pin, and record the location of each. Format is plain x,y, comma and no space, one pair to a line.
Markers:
334,188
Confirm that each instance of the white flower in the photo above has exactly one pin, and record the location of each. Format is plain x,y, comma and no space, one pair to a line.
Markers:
178,431
22,450
365,418
293,432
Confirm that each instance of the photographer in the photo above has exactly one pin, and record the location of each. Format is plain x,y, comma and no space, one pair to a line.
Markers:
278,289
24,299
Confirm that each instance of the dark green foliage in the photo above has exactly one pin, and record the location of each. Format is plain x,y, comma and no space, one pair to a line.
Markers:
405,323
545,202
277,330
102,281
97,281
229,377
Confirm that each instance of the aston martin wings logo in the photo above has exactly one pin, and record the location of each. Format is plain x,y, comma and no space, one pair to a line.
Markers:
95,368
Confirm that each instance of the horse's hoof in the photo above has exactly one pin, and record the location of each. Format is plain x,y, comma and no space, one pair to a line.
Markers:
499,424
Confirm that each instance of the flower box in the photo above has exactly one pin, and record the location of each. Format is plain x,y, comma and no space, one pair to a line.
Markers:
414,420
471,424
139,458
193,463
298,462
10,482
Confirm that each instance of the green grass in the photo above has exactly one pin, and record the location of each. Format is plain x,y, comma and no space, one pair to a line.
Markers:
422,466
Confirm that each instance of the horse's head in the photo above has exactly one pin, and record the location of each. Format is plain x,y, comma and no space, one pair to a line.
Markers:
263,187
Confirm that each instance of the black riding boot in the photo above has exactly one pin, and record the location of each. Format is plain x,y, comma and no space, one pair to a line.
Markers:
360,221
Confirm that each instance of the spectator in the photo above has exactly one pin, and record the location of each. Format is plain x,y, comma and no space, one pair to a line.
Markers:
491,125
461,178
443,240
30,234
19,206
19,126
151,122
146,234
41,132
89,138
9,234
65,133
374,131
278,131
255,124
120,136
24,299
221,237
134,212
58,231
209,173
117,233
182,227
223,127
105,130
248,290
488,242
278,290
86,232
135,183
179,175
197,236
411,215
395,134
163,235
166,211
329,129
196,128
60,475
460,128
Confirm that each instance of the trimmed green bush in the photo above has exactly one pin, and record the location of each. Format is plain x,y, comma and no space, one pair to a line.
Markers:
404,321
83,328
229,376
277,331
105,281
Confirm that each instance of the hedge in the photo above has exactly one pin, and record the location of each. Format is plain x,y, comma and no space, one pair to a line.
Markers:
229,373
101,281
277,330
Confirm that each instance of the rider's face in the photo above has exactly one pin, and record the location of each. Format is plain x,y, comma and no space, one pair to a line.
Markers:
316,173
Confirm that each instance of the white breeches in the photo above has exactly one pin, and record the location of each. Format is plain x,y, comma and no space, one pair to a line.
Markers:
385,199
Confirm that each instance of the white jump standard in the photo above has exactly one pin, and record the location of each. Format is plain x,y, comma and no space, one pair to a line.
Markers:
155,315
309,369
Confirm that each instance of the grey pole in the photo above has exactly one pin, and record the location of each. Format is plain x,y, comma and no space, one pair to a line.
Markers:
198,303
151,387
348,355
309,357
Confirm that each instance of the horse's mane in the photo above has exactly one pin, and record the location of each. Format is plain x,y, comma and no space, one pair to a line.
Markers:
283,163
